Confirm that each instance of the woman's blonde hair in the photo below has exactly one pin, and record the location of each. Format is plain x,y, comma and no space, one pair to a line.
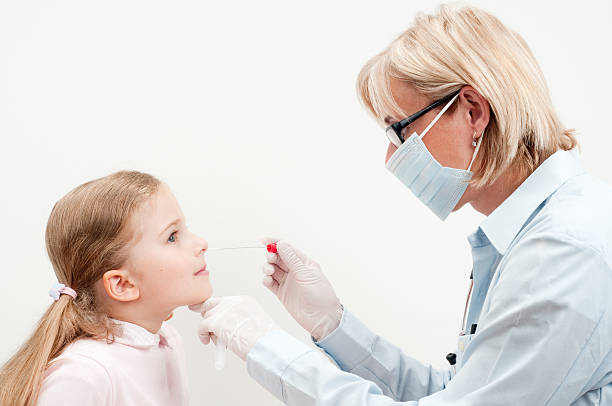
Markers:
455,47
87,235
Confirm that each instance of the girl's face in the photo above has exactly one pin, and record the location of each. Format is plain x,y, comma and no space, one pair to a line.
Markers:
166,260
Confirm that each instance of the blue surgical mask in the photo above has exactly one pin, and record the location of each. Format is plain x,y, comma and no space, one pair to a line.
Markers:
439,187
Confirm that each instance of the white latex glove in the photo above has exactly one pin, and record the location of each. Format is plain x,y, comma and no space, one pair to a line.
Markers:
236,321
300,285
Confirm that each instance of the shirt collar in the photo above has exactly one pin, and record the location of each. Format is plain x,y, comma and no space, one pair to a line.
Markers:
136,336
505,222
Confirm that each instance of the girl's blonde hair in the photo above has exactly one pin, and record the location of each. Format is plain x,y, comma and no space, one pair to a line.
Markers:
455,47
87,234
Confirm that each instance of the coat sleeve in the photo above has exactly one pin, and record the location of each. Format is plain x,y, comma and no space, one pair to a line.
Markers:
548,322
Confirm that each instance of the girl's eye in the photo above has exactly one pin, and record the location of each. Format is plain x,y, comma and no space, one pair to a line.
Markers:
172,237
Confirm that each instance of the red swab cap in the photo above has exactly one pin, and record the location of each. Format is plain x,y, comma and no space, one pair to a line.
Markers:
272,248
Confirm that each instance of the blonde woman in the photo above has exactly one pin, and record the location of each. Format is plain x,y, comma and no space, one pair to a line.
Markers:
124,259
469,121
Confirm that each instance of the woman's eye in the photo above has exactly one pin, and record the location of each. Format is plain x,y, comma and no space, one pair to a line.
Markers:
172,237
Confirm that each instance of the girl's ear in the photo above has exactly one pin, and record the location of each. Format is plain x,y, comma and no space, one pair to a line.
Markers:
120,286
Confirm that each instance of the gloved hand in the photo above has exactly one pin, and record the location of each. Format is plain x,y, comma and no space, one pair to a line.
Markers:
300,285
237,321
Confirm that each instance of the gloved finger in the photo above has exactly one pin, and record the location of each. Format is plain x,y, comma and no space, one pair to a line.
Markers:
204,332
270,256
271,284
274,259
210,304
268,269
274,271
279,276
196,307
289,255
268,281
199,307
213,338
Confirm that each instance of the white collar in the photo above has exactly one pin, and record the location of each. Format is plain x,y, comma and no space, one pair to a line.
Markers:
136,336
507,220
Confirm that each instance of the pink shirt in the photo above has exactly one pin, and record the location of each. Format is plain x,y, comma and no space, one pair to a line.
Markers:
139,368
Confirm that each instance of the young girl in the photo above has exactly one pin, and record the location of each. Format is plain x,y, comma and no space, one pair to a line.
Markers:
125,260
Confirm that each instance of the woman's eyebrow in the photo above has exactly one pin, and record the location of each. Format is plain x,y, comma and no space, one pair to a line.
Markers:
172,223
389,120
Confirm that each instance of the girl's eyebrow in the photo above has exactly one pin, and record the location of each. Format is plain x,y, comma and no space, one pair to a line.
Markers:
173,223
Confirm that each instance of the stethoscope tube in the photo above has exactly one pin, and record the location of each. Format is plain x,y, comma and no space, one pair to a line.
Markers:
467,303
452,357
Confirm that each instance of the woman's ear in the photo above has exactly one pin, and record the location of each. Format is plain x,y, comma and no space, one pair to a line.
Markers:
477,108
120,286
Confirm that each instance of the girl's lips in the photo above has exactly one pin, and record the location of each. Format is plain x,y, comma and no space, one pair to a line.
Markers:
202,271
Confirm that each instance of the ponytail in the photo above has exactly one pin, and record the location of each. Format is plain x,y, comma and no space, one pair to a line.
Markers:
21,376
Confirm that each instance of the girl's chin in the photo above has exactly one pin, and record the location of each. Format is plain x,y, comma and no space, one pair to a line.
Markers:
197,297
203,295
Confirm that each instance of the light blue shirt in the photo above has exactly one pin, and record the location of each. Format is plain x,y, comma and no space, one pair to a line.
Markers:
541,301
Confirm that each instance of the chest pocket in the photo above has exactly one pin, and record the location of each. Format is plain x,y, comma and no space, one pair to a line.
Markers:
462,343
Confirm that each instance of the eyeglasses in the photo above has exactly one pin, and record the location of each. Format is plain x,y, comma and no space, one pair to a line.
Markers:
394,131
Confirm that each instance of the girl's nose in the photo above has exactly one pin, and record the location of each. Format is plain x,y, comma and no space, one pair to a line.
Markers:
201,245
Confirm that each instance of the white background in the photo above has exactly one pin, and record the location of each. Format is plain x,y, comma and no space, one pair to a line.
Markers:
248,111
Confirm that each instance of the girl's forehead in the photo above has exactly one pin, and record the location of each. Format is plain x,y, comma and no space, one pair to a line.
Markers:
156,213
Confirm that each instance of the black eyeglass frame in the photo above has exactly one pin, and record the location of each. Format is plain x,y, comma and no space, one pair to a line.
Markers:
398,127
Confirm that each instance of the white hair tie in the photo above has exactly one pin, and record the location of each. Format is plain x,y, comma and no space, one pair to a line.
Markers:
59,289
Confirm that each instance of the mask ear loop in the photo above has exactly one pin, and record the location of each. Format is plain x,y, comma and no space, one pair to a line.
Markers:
476,151
439,115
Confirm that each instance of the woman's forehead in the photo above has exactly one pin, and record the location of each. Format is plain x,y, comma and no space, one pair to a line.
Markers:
384,104
408,99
